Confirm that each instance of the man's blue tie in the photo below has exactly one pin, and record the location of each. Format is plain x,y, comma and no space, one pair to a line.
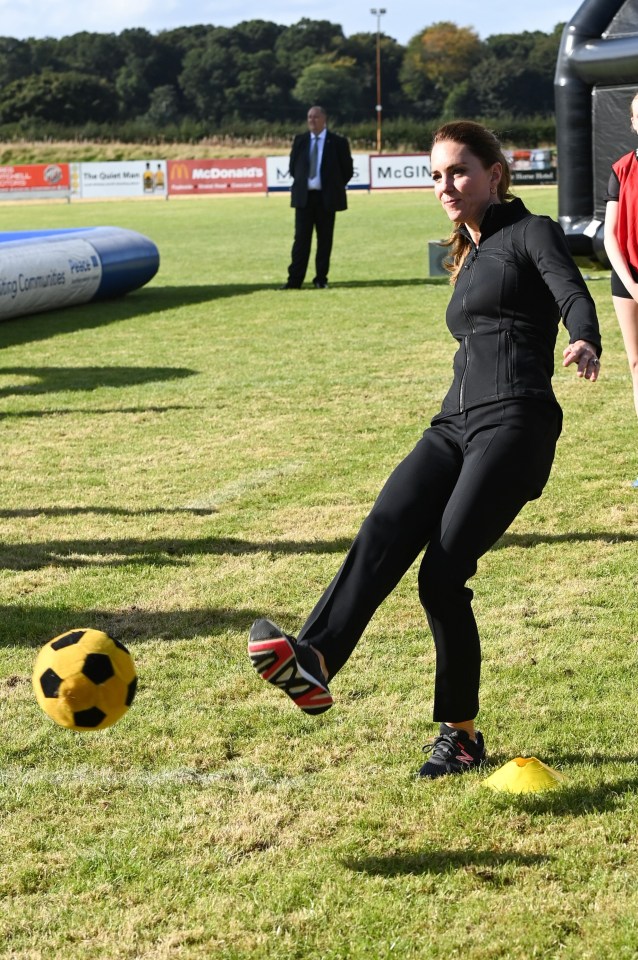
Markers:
314,158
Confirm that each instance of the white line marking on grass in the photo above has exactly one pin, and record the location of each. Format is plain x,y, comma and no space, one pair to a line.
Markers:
107,777
243,485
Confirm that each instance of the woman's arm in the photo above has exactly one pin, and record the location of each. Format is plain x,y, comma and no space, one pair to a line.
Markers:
547,248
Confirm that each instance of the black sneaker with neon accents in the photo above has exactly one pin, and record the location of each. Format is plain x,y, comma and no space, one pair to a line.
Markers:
291,666
452,751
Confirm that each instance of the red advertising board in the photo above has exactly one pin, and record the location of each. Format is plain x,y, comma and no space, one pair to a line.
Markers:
216,176
50,177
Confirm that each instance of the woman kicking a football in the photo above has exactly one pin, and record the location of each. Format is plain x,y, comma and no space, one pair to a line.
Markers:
485,454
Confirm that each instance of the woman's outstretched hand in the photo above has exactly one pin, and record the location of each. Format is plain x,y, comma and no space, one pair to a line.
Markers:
584,354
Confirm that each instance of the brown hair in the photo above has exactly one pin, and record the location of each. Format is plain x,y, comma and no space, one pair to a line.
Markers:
486,146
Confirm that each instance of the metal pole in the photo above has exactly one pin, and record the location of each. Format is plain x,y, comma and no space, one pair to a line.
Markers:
378,13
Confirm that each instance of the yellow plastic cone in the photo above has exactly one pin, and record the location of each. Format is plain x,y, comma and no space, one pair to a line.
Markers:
524,775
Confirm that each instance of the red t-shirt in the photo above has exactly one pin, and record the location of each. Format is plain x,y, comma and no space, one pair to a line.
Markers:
623,187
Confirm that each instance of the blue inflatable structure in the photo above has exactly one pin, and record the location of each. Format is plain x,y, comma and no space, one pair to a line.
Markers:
49,269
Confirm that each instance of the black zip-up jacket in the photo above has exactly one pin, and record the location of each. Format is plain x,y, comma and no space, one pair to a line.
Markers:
508,299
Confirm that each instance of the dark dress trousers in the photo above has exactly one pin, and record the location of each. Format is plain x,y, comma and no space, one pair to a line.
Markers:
316,209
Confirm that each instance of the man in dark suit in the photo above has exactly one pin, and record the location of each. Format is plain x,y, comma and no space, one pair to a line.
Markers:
321,166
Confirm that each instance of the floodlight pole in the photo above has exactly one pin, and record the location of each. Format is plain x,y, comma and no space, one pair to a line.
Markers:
378,13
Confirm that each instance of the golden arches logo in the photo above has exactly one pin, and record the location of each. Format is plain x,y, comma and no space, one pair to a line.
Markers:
179,171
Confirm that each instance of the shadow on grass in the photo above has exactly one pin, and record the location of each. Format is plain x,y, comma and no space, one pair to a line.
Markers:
535,539
23,512
31,626
144,302
440,861
564,802
391,284
170,551
153,553
54,379
370,284
92,411
155,299
577,801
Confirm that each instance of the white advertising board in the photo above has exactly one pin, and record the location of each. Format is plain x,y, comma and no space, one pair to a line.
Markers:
279,179
361,176
277,176
400,171
119,178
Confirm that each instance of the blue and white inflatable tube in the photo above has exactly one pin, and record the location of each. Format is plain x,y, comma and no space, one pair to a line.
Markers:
49,269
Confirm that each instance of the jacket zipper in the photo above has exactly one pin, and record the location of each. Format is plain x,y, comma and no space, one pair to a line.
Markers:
466,339
509,347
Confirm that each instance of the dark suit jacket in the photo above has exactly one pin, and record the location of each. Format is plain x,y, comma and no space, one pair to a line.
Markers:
336,170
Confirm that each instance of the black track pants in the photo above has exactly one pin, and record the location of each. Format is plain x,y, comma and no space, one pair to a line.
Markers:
454,495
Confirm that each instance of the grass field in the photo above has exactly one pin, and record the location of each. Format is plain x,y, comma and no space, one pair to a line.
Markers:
200,453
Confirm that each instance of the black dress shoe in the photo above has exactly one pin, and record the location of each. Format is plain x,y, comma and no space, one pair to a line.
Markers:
320,284
290,286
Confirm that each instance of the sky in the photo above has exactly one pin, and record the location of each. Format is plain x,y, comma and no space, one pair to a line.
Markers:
402,20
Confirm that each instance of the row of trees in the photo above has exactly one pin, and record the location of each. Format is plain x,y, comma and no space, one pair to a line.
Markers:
261,75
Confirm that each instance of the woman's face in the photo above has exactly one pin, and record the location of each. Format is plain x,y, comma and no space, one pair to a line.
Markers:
462,184
634,116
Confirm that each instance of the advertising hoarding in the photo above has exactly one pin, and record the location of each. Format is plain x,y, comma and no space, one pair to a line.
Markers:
535,176
400,171
39,179
279,179
164,178
118,178
216,176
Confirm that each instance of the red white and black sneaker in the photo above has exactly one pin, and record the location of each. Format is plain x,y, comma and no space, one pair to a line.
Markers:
453,751
291,666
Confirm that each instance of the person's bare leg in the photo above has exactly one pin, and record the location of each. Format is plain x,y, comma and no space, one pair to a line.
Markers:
627,313
467,725
322,663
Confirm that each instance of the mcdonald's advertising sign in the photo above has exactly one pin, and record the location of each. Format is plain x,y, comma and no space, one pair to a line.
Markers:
216,176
